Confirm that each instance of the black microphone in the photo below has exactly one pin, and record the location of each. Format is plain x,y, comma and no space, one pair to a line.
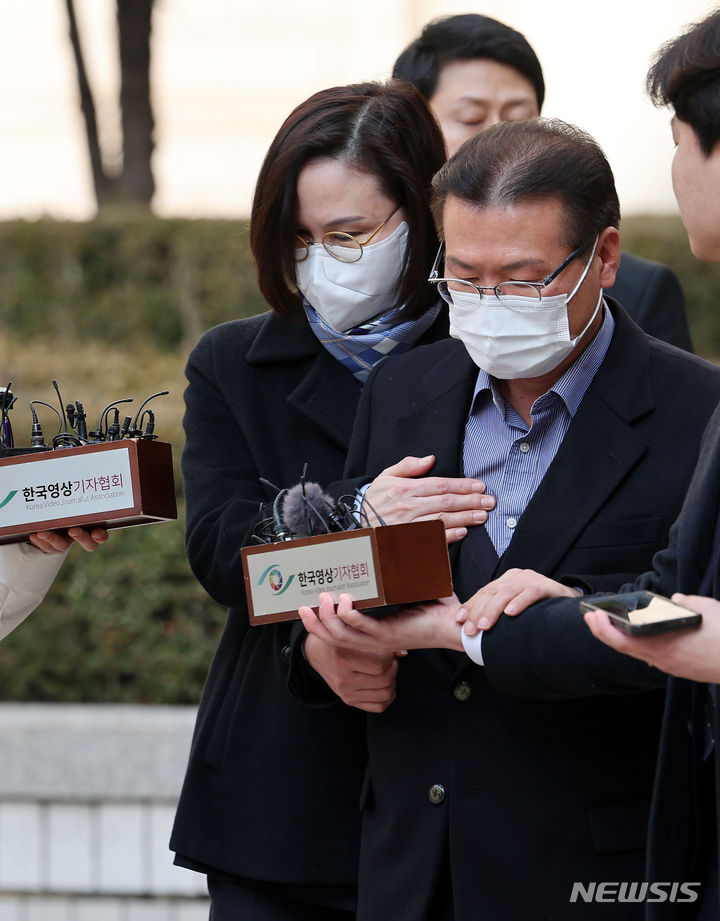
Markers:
37,440
134,427
113,432
342,515
281,531
7,400
149,433
80,423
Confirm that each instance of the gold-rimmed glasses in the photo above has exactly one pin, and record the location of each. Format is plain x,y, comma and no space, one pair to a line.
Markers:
341,245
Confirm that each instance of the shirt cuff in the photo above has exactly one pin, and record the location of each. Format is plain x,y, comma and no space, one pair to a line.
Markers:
473,647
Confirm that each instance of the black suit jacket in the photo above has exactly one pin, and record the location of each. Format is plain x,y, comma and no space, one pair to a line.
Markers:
272,787
652,296
533,772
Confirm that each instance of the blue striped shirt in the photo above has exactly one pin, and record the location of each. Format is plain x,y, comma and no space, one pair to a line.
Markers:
511,458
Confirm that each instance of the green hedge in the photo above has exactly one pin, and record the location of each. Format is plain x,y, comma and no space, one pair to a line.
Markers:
110,308
127,623
140,280
144,280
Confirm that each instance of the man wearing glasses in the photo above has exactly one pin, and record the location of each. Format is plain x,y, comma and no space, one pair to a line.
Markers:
492,795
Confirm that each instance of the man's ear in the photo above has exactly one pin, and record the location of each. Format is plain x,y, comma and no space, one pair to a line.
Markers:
608,249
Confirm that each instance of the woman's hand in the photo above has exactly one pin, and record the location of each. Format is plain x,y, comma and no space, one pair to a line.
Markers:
403,493
509,594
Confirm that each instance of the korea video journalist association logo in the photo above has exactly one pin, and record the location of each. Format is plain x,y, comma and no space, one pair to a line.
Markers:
8,497
275,579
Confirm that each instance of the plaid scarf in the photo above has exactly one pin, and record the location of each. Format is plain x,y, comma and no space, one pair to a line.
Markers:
362,347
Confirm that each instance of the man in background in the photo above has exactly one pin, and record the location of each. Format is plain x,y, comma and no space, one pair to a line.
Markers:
475,72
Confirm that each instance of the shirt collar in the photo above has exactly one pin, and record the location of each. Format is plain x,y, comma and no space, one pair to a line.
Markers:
575,381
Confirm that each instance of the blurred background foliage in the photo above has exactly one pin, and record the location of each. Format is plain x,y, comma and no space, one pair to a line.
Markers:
110,308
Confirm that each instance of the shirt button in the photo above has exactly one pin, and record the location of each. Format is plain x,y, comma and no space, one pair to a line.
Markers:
524,447
436,794
462,691
511,522
285,653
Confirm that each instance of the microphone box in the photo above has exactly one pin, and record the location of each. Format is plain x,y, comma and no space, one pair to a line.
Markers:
391,565
112,485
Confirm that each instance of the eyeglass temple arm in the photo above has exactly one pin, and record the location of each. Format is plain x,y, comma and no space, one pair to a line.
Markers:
573,255
435,270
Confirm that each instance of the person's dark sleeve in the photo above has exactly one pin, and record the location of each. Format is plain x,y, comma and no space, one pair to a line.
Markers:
303,682
221,483
549,652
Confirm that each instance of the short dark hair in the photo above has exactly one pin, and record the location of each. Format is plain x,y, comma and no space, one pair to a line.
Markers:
686,75
535,159
386,130
466,37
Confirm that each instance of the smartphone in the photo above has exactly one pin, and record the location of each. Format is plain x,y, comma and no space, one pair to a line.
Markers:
644,613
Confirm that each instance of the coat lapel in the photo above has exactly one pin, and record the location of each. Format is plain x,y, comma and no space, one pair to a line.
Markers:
595,456
600,447
326,393
435,424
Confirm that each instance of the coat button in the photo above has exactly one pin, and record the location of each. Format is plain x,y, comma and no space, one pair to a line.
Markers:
436,793
462,691
285,653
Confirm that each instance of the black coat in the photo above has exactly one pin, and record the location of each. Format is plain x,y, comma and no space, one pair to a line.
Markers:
652,296
272,787
545,758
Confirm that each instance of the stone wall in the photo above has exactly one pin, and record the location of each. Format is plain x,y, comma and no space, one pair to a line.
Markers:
87,798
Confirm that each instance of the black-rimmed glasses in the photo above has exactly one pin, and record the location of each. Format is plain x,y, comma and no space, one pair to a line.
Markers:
341,245
514,287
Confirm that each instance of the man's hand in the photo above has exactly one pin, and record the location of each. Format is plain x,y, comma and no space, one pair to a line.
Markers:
55,542
398,497
360,679
692,653
434,625
510,594
429,626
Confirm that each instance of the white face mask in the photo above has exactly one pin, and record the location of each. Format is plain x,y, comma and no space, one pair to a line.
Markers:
512,336
346,294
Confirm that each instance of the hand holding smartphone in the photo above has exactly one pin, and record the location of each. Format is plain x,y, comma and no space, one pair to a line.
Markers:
644,613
